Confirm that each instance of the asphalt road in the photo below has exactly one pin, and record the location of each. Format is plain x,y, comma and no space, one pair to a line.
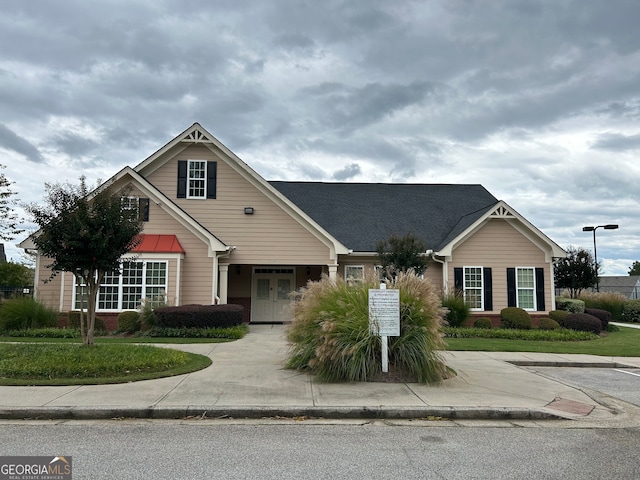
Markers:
622,383
219,450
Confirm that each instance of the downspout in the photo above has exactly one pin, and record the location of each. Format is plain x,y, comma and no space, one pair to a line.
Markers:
445,273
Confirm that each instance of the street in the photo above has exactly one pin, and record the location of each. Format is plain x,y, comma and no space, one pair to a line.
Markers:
622,383
212,449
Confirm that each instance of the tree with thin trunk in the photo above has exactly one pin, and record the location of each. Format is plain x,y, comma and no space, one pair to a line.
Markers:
85,233
399,254
576,271
9,219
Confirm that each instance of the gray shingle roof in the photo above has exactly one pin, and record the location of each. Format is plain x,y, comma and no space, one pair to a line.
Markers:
360,214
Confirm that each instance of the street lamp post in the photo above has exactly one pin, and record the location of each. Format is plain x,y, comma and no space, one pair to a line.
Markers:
610,226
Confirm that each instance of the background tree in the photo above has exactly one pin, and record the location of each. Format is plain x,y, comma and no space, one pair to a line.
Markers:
85,234
401,254
635,268
576,271
15,275
9,220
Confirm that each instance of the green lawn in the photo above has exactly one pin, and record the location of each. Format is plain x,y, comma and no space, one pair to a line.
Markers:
76,364
624,343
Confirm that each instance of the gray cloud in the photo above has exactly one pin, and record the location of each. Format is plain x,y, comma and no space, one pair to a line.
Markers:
348,172
617,142
538,101
11,141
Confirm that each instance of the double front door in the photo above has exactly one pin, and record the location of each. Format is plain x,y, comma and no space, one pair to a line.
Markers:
270,298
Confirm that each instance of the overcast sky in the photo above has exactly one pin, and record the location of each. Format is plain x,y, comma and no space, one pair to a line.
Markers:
537,100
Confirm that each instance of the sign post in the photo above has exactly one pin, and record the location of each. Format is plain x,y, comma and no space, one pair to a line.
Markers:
384,318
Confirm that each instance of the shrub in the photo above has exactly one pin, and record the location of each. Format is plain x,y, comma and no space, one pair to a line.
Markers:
457,309
199,316
330,334
603,315
571,305
547,323
73,321
26,312
128,322
148,315
631,311
514,317
583,322
482,322
230,333
559,335
558,315
610,301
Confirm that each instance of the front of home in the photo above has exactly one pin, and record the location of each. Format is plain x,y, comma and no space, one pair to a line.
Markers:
217,232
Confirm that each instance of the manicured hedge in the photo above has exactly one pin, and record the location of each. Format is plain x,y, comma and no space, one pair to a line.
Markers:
583,322
547,323
603,315
129,321
199,316
513,317
631,311
572,305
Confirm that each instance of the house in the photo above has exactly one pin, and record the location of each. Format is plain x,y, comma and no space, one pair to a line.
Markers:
216,231
627,285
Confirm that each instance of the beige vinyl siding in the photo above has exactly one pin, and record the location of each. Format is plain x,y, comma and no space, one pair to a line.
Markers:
197,266
498,245
269,236
48,289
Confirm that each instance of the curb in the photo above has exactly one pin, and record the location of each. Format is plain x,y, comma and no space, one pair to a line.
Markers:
535,363
215,412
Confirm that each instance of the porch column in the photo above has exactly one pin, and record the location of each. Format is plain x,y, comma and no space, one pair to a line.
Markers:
223,268
333,272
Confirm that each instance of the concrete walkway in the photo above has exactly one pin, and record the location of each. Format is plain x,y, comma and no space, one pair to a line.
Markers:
247,379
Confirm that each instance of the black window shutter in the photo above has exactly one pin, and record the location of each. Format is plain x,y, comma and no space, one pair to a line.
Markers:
212,171
511,287
540,289
458,279
182,179
143,209
488,289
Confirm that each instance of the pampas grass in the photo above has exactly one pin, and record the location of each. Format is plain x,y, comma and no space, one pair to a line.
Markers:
330,334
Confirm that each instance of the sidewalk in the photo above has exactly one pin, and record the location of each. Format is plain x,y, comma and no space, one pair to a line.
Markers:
247,379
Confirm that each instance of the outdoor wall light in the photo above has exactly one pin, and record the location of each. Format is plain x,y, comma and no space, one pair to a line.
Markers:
248,210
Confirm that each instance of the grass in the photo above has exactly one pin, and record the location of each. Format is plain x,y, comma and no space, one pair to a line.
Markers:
75,364
624,343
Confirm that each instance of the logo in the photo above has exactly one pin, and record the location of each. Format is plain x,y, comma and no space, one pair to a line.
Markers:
35,468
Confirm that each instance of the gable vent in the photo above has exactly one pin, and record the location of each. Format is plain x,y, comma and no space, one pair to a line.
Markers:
196,137
501,212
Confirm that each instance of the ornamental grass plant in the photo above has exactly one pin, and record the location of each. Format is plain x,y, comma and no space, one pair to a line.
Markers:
330,334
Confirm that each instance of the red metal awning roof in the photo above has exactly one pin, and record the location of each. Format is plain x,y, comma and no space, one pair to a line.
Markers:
152,243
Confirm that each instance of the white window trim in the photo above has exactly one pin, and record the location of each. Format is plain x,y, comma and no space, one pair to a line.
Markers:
464,286
204,194
347,278
533,270
120,284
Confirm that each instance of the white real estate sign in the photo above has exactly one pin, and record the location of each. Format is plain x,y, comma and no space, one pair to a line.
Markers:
384,312
384,318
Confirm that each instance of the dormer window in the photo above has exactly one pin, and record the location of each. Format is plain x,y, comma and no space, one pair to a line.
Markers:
196,179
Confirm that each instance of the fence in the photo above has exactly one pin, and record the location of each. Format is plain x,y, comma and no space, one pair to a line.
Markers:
14,292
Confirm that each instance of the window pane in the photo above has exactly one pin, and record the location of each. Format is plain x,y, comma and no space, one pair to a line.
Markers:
526,286
354,272
197,179
473,286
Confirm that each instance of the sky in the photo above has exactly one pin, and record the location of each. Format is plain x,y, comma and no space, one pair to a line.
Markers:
539,101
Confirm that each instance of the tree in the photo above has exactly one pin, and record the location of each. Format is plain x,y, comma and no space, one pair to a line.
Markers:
401,254
85,234
15,275
635,268
576,271
9,220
